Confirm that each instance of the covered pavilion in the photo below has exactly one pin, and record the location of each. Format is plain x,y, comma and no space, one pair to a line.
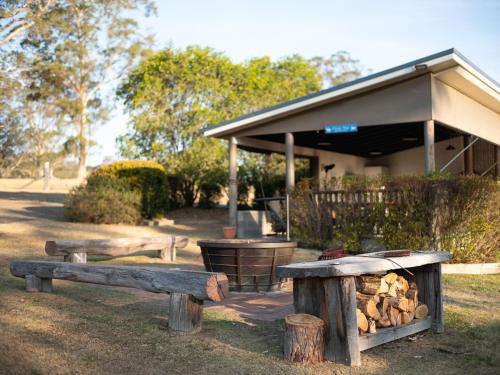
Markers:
437,113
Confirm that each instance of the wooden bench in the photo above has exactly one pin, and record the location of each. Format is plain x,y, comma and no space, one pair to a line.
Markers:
187,289
76,251
327,289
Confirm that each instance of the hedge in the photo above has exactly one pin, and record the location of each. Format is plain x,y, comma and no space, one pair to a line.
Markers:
460,214
148,178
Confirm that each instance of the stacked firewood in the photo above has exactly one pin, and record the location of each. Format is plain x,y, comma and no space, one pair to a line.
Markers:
386,300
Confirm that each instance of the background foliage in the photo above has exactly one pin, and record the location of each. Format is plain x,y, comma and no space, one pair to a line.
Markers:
104,201
459,214
147,178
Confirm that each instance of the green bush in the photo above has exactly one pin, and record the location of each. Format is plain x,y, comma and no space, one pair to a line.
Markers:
460,214
148,178
105,201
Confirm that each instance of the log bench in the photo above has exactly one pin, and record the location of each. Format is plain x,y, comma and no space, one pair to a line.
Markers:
327,289
76,251
187,289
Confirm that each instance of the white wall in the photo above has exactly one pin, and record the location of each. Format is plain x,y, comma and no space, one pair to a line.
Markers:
412,161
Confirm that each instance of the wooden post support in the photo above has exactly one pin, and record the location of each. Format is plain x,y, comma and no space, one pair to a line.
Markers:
76,258
169,252
185,313
36,284
233,181
342,344
428,279
304,338
429,154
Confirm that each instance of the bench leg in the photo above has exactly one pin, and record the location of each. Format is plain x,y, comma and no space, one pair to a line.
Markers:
76,258
36,284
185,313
342,337
168,253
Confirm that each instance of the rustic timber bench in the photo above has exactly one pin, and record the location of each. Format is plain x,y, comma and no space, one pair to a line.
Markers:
76,251
187,289
327,289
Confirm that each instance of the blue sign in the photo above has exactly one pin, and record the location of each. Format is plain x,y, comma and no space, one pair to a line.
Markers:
342,128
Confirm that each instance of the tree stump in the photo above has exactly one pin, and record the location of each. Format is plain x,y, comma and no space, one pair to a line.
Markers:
304,338
185,313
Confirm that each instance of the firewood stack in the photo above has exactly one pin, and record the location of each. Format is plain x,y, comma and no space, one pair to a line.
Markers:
386,300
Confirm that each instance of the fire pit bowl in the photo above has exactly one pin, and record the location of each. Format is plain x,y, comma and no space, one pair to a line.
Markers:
250,264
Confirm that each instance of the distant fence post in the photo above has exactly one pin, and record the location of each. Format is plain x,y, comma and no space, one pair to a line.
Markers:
46,175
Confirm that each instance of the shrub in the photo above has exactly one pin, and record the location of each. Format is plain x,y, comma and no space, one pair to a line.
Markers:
459,214
148,178
105,201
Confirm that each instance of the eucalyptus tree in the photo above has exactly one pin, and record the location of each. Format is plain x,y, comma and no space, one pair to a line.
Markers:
17,17
338,68
173,94
80,49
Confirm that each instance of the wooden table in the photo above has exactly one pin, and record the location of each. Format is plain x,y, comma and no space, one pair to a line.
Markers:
327,290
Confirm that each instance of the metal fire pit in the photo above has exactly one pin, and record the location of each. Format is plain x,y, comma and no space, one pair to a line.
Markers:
250,264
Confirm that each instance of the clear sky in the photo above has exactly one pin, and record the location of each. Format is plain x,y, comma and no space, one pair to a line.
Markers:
381,34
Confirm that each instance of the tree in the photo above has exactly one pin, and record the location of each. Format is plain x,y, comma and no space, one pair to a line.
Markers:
339,68
80,47
175,93
18,17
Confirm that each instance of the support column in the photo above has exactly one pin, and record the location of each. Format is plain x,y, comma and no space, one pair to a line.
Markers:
429,153
233,182
468,156
290,162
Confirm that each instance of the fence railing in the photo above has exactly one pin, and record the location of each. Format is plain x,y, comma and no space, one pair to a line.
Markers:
361,197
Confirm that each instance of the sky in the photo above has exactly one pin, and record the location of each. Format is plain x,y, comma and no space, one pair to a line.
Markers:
381,34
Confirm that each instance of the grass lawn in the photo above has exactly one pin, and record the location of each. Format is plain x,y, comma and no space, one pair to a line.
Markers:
88,329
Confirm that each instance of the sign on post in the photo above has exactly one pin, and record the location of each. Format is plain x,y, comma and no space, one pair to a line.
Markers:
341,128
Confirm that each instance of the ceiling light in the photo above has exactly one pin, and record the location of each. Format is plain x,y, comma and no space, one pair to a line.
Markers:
375,153
410,139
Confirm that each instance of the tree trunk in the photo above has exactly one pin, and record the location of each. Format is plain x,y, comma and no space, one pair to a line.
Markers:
304,338
82,139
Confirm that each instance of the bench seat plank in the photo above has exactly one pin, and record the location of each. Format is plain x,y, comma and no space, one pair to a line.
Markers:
201,285
359,265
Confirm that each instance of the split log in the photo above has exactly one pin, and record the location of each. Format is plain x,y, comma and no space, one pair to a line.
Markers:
115,246
384,322
421,311
201,285
412,294
393,314
368,306
391,277
393,290
184,314
405,318
403,284
304,338
401,303
411,306
362,321
372,326
371,284
411,314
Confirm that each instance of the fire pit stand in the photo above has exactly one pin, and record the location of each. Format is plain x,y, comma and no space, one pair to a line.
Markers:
327,290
